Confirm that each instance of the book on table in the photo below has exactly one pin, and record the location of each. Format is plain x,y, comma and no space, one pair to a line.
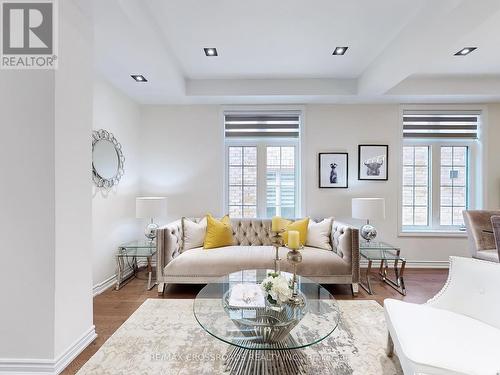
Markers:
246,296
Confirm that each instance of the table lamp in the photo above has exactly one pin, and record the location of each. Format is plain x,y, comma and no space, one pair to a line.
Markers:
368,209
150,208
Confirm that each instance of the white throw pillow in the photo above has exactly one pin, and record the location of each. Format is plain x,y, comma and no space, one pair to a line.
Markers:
193,233
318,234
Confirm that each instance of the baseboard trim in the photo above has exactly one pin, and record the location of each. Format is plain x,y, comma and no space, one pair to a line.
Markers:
74,350
414,264
26,366
30,366
111,281
103,286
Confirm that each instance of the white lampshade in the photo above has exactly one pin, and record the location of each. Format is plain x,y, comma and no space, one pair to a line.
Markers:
150,207
368,208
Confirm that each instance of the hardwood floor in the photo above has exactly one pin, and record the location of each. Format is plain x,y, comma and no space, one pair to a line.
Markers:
112,308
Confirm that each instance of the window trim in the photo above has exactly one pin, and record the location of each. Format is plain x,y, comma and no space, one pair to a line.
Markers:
435,185
477,165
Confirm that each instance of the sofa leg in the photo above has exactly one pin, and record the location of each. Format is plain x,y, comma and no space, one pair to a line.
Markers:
354,289
390,346
161,289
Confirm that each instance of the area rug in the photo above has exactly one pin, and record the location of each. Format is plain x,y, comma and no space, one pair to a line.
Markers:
163,337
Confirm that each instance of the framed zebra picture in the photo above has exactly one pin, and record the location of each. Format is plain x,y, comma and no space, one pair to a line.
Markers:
373,162
333,170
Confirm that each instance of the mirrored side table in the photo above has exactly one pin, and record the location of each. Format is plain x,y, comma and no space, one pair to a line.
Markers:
385,253
127,257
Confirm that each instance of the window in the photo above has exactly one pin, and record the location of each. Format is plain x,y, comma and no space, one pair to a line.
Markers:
280,181
243,181
454,184
438,150
416,184
262,164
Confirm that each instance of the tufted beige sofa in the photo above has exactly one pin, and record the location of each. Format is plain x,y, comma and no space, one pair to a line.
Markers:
252,249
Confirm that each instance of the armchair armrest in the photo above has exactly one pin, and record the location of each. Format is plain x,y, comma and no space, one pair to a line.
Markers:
345,242
168,244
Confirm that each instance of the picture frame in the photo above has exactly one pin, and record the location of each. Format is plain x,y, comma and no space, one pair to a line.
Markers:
373,162
333,170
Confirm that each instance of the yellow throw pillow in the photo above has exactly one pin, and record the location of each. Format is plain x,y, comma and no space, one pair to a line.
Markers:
219,232
301,227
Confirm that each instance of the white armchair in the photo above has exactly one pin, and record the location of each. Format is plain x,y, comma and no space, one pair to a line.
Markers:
457,331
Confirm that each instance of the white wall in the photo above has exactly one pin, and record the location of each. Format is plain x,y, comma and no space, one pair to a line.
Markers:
27,216
73,123
182,158
493,156
45,221
343,128
113,211
46,216
182,151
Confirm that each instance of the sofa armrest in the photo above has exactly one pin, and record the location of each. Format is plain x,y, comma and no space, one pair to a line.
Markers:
345,242
168,244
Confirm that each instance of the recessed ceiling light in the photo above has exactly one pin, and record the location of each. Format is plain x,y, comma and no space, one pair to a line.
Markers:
465,51
339,51
138,78
210,52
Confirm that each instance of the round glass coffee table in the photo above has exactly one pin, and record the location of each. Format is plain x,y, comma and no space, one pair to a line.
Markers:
266,339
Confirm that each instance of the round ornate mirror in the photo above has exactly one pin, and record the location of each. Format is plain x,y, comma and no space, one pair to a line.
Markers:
107,159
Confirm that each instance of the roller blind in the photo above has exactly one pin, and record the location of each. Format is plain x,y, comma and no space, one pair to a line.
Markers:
283,125
457,125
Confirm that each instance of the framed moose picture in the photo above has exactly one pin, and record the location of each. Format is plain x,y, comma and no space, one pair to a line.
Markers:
373,162
333,170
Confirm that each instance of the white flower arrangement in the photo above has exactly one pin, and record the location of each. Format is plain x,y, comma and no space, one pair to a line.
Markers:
277,287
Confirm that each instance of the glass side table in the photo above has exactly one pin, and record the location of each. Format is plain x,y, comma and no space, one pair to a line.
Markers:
385,253
127,257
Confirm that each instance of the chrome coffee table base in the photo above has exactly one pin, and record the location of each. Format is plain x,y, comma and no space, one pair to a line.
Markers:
266,340
280,361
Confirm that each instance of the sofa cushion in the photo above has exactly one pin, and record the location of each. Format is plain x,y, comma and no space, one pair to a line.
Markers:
319,262
318,234
441,339
193,233
299,226
224,260
219,232
255,232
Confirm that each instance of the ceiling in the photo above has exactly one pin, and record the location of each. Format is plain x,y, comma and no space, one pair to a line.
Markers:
281,51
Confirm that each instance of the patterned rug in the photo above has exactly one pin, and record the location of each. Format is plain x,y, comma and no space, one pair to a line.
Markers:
163,337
